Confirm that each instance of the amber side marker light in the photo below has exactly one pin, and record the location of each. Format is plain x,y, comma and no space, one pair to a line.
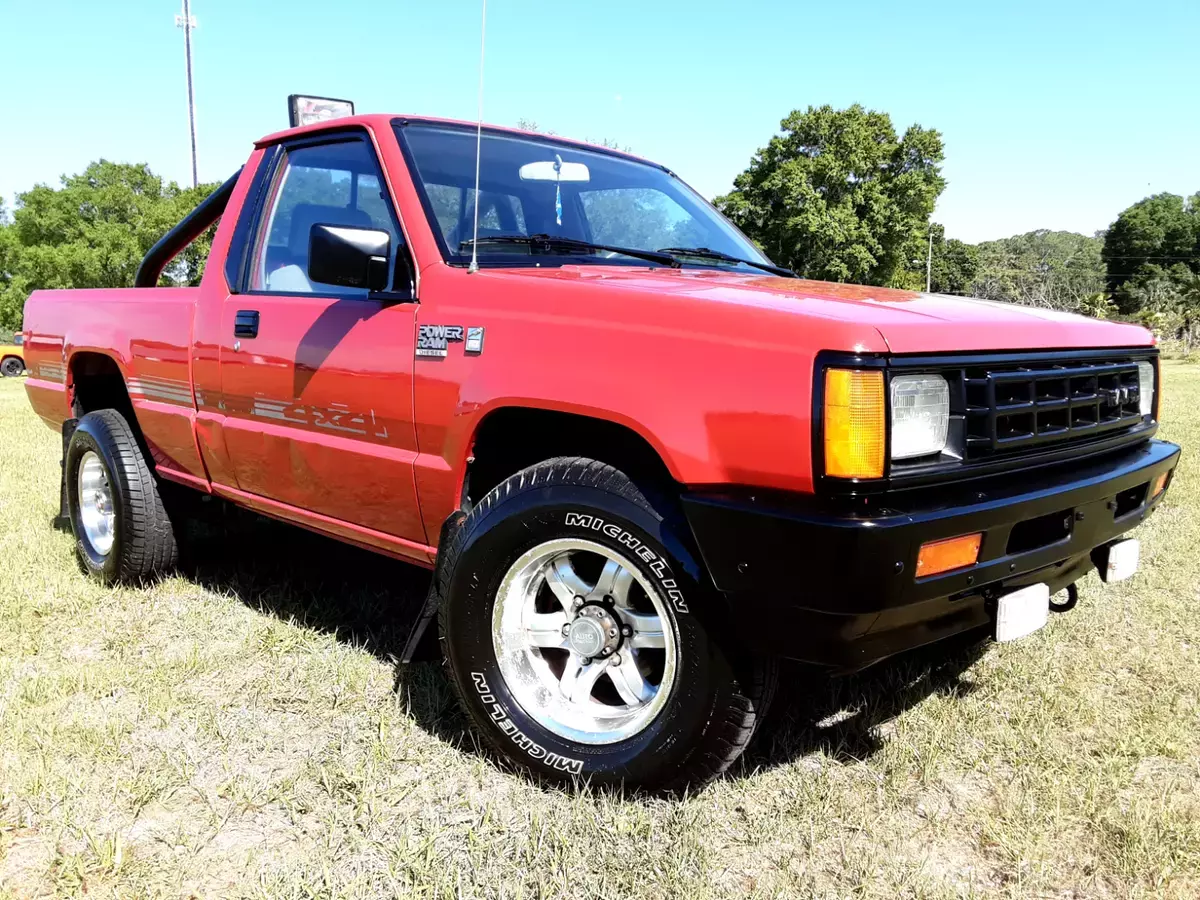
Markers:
937,557
854,423
1160,484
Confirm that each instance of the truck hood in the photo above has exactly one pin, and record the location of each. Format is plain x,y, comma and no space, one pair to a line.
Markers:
907,321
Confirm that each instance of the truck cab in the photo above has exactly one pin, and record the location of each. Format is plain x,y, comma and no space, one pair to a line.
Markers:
643,462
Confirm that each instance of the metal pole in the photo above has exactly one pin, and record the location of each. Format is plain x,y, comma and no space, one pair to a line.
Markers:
929,261
187,23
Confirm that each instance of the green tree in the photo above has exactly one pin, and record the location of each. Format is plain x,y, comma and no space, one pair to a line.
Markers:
10,306
1154,238
1052,269
839,196
1189,307
1169,305
92,232
954,263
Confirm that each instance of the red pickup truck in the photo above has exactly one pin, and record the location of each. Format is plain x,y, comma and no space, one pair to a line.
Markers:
643,462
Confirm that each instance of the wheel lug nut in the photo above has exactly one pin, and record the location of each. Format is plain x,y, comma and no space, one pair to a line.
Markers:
616,660
626,630
608,601
566,629
578,602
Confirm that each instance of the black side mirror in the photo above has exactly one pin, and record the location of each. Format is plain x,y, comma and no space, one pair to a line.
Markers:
348,256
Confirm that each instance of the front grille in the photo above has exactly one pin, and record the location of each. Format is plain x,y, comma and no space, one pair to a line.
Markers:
1010,408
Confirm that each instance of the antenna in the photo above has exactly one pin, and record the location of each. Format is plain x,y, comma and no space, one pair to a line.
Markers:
474,267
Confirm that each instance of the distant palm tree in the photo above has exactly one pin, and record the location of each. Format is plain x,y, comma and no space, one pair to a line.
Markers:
1097,305
1188,287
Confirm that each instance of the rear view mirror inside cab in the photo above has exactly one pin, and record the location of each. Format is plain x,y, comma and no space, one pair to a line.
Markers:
555,170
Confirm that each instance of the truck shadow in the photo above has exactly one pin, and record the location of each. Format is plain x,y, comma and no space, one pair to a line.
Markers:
850,718
370,602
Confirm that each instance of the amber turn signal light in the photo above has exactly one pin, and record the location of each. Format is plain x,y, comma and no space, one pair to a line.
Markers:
1160,484
854,423
937,557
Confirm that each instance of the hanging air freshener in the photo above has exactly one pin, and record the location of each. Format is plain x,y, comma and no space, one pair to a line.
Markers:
558,189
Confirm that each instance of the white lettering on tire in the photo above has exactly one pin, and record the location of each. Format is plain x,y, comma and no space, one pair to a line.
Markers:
532,749
657,564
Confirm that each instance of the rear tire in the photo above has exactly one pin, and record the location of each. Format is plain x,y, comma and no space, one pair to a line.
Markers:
122,531
12,366
682,703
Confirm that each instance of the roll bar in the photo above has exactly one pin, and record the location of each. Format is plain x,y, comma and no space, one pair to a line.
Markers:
192,226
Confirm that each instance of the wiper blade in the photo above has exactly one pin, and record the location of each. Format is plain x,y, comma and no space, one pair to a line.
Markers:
705,253
548,243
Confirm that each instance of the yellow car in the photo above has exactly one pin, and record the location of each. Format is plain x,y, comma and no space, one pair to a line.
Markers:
12,357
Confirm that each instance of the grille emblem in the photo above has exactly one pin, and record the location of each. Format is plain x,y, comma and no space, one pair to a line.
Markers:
1120,396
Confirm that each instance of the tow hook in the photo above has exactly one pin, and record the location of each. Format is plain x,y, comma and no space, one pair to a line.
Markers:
1068,604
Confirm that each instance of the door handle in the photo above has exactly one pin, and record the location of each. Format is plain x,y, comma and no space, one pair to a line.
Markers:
246,323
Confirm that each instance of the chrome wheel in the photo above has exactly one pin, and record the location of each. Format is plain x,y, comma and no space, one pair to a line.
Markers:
96,512
583,641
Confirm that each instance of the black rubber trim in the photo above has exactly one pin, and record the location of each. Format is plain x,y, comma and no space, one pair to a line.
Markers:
832,571
62,522
237,259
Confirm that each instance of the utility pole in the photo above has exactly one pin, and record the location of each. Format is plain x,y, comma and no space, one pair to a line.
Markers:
929,258
187,22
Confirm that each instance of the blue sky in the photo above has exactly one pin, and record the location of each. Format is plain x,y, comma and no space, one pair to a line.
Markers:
1055,113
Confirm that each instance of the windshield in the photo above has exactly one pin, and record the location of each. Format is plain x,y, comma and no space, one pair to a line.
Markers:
534,186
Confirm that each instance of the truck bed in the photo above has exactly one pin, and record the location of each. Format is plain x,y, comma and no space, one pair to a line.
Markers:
61,325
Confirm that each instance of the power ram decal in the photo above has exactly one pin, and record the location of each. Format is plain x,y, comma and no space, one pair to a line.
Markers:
433,340
532,749
657,564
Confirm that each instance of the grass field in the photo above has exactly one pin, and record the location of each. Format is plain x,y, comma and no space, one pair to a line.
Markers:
241,730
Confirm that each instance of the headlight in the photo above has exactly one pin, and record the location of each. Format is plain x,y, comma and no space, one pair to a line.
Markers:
920,415
1146,387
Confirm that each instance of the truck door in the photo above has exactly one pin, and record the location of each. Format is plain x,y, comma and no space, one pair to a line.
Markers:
316,379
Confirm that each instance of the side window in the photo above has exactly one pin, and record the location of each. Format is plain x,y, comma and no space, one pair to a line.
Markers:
327,184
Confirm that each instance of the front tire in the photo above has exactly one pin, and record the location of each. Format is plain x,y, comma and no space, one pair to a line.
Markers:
573,626
122,532
12,366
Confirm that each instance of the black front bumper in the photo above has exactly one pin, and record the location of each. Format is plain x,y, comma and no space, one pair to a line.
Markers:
812,579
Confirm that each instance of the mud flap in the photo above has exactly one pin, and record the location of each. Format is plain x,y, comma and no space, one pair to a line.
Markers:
62,521
430,609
